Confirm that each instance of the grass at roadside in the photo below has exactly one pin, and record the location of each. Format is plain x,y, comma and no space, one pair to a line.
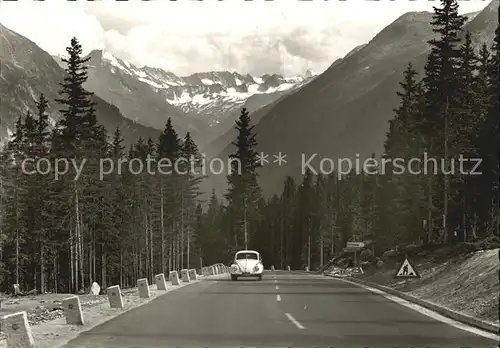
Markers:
464,283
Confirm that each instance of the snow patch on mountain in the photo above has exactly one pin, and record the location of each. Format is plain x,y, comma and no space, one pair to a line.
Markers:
6,139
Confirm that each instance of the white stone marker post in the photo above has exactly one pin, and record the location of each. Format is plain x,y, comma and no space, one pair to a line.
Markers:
115,297
174,278
161,284
143,286
185,276
73,310
17,329
192,274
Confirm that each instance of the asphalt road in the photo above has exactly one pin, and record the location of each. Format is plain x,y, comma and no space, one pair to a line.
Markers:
283,310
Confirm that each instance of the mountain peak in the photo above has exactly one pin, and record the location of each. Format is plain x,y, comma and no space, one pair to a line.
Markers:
95,56
415,16
309,73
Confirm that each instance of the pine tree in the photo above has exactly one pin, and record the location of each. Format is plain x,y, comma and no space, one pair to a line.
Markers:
403,143
197,246
170,149
440,81
288,207
77,136
244,192
74,98
14,225
302,223
41,194
211,238
190,188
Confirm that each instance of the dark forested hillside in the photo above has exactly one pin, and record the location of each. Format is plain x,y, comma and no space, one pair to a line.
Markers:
27,71
447,109
447,113
345,110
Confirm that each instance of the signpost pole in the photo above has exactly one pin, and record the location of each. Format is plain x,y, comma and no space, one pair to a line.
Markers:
321,253
309,253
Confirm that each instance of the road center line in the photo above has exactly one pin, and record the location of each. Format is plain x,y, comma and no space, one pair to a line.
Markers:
293,320
277,287
278,298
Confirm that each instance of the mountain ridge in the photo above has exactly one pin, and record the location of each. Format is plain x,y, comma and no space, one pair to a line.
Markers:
203,94
27,71
349,105
204,103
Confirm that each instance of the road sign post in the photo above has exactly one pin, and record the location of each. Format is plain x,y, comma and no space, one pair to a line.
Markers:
354,247
407,281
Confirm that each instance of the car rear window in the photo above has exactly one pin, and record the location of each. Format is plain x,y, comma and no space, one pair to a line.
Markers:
251,256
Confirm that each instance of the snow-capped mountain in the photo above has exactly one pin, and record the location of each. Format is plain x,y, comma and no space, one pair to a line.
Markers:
213,94
209,96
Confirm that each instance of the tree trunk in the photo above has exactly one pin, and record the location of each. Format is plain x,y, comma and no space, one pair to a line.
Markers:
42,269
178,247
170,253
430,225
282,236
71,261
188,237
77,240
17,254
245,222
139,256
309,251
56,273
162,223
94,256
446,179
121,267
151,249
332,246
103,269
91,275
182,228
146,241
81,257
321,251
18,224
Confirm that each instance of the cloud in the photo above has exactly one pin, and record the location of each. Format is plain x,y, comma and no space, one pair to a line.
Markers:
184,37
52,24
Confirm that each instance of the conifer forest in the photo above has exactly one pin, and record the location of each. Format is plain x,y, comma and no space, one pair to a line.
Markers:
62,235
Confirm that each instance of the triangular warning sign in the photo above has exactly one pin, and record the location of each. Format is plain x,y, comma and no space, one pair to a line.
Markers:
407,270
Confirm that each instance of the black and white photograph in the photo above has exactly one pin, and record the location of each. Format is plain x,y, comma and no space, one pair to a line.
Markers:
249,173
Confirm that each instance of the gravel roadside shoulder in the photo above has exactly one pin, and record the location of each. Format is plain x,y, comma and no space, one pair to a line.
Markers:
48,323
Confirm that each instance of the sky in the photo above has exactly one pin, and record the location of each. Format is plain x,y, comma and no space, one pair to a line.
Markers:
257,37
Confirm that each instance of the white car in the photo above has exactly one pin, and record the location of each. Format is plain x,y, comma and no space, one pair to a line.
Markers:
247,263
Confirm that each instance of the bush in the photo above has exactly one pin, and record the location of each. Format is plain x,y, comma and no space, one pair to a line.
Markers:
389,254
366,254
